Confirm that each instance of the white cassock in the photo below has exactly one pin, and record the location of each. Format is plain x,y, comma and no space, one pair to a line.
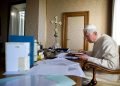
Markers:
105,52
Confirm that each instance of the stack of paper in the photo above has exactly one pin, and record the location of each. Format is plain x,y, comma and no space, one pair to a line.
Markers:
58,66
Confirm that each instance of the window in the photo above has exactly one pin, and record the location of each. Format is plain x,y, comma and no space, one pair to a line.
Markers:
21,22
17,19
116,21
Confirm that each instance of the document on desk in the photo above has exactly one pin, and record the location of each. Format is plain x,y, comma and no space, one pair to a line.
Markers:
58,66
64,55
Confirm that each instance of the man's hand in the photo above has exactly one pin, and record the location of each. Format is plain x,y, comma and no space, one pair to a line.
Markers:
82,51
82,56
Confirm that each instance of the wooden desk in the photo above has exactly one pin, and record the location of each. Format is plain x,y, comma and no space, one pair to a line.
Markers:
78,80
1,75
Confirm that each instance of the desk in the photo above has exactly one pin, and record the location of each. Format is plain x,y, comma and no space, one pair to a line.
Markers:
78,80
73,71
33,81
75,78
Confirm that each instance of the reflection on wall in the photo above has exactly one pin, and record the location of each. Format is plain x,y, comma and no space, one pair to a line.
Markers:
17,18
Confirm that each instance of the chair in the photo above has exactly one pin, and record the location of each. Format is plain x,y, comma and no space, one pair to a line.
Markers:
94,67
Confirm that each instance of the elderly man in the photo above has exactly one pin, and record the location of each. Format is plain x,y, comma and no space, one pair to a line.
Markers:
105,49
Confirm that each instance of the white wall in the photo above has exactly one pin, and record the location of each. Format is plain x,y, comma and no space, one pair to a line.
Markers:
42,22
39,13
97,9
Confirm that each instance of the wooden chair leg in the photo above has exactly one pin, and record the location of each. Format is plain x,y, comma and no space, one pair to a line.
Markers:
93,82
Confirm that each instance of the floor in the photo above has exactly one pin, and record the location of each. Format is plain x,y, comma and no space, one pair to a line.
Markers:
106,84
101,82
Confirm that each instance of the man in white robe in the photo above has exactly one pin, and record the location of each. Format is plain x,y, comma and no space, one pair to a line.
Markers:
105,50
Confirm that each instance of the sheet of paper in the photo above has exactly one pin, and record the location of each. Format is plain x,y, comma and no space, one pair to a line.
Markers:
58,66
45,69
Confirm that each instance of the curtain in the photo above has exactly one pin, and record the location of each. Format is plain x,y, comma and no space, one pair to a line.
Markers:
116,21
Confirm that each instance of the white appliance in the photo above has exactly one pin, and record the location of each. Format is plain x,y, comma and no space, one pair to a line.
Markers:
17,56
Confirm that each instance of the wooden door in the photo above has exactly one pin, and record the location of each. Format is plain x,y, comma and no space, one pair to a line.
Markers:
72,30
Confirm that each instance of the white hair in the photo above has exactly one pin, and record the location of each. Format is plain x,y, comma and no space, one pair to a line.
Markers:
90,28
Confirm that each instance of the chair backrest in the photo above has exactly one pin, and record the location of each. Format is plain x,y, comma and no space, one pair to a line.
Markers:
89,65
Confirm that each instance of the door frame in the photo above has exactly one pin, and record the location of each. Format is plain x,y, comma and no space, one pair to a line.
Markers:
64,31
